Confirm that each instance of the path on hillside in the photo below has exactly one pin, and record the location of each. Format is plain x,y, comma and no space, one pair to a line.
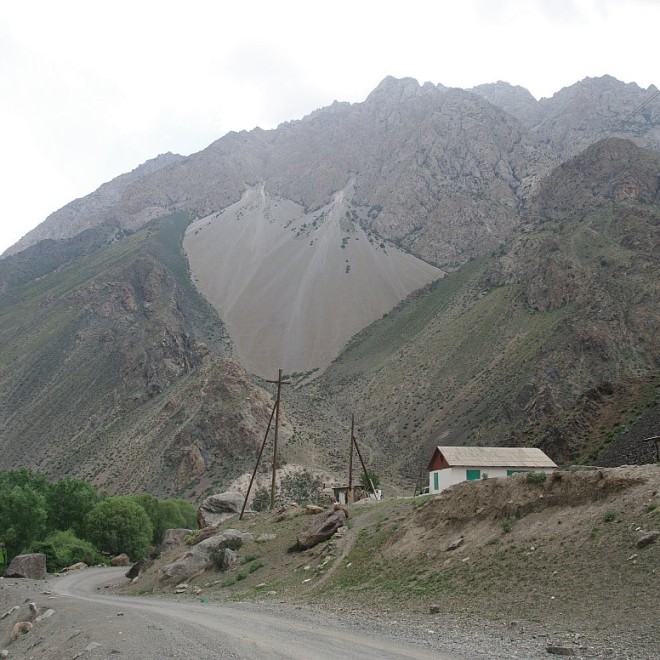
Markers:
85,614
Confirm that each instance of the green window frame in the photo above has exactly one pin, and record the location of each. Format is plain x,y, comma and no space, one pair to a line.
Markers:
510,472
436,481
471,475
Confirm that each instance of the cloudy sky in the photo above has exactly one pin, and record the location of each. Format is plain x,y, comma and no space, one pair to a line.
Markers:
90,90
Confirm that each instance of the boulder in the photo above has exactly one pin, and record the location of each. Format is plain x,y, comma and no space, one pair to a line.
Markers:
78,566
185,568
455,544
120,560
287,512
264,538
174,537
324,526
196,561
647,539
138,568
215,509
313,509
31,566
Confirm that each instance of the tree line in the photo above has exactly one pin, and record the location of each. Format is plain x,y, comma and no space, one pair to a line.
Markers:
71,521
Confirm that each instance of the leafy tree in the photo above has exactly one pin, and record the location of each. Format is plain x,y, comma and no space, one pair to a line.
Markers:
174,513
166,514
68,502
24,477
64,548
373,477
119,524
22,516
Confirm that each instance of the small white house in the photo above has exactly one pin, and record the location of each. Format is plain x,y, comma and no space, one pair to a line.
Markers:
451,465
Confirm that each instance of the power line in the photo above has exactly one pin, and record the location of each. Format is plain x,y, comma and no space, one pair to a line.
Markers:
635,111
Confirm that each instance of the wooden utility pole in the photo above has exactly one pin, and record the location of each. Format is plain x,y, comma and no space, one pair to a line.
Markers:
350,496
256,467
364,467
279,383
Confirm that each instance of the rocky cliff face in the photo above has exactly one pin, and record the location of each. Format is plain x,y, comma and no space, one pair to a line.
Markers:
547,342
114,369
577,116
99,208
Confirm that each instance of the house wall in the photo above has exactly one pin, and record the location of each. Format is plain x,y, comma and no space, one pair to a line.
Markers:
454,475
438,461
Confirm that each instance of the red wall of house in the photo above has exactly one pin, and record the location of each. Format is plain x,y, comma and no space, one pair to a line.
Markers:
438,462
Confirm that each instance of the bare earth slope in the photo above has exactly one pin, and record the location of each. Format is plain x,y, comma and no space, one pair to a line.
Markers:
293,288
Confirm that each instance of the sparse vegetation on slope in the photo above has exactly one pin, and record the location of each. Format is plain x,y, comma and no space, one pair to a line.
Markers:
548,554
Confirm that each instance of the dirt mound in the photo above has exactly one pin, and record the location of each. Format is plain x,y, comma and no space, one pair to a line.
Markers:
521,494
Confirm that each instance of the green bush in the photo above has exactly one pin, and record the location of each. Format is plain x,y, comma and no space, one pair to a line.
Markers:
166,514
119,524
302,487
508,524
610,516
63,549
217,552
261,500
536,477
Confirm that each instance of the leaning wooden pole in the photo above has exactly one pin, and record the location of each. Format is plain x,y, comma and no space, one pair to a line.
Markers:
364,467
350,498
277,427
256,467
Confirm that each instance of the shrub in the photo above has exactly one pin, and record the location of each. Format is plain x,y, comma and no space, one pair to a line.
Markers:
119,524
302,487
536,477
507,524
63,549
610,516
217,552
261,500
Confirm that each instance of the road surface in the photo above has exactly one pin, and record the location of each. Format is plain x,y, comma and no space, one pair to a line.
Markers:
160,628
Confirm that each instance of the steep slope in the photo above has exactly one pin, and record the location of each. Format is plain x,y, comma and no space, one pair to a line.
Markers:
583,113
291,287
112,369
93,210
503,351
438,170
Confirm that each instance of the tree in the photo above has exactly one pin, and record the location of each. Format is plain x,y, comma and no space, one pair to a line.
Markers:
22,517
167,514
173,514
373,477
68,502
119,524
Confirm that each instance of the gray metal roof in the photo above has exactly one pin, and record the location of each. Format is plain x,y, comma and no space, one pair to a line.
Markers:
496,457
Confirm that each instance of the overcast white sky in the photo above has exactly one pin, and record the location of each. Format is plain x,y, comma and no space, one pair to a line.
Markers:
90,90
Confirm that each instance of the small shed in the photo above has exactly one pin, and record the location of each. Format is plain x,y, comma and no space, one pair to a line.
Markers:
451,465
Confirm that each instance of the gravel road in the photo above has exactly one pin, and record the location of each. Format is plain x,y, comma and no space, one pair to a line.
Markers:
90,623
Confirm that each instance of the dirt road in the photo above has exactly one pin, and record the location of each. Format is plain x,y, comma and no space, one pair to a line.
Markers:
87,622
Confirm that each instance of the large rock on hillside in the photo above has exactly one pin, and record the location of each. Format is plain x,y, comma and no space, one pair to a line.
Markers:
173,537
215,509
324,526
196,561
32,566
